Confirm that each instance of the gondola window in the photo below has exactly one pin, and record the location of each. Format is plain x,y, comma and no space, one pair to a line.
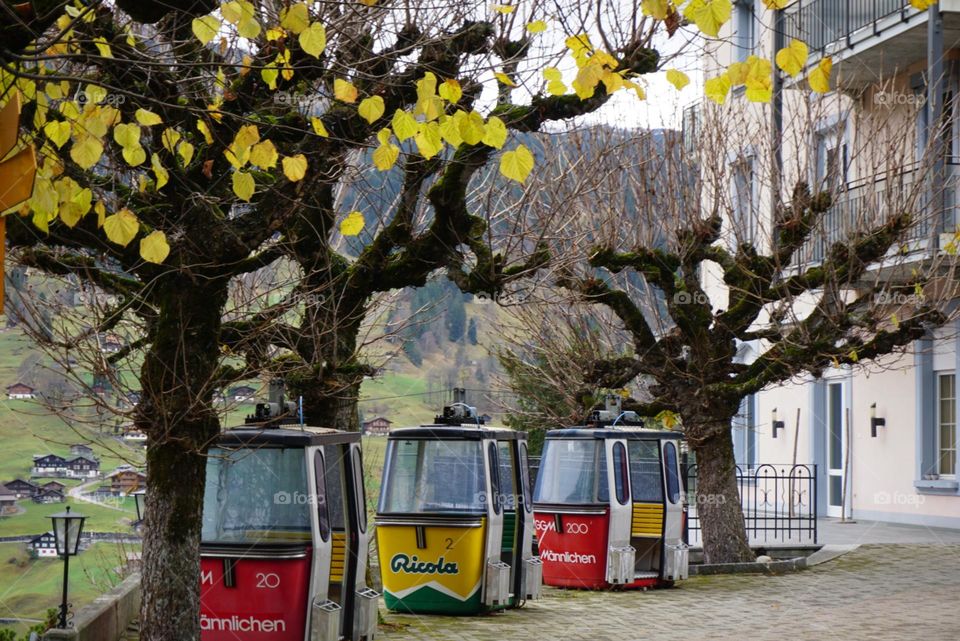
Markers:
572,472
673,478
433,476
256,496
645,476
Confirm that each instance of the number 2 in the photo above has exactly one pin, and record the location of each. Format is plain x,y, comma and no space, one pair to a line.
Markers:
449,543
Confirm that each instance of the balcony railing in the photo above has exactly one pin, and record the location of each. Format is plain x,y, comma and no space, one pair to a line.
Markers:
866,204
822,22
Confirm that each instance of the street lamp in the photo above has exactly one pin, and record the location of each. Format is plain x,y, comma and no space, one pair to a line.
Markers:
67,528
140,499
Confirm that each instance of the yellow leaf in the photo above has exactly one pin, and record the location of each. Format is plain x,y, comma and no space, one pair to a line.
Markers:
471,125
516,164
318,127
313,40
352,224
103,47
205,130
677,78
385,155
205,28
537,26
579,44
759,79
344,91
709,15
295,18
922,5
270,73
612,81
247,136
716,89
58,132
368,3
371,108
86,152
295,167
243,185
504,8
450,131
134,155
163,176
170,138
556,88
154,247
776,4
587,79
793,57
495,133
148,118
504,79
658,9
428,140
450,91
552,73
101,213
186,152
428,103
121,227
404,125
264,155
127,135
819,77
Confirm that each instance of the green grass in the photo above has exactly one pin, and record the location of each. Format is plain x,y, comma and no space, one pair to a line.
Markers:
31,586
36,518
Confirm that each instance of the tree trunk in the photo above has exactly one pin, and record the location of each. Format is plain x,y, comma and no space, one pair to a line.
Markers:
177,414
332,405
718,500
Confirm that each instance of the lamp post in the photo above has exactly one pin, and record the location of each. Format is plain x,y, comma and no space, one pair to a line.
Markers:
67,528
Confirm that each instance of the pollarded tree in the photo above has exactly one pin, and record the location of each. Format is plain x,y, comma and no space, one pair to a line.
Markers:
183,145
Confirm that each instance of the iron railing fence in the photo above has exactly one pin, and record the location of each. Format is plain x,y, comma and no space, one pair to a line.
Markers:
822,22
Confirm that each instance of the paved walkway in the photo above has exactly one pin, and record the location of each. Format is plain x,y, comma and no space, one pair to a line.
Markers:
832,531
888,592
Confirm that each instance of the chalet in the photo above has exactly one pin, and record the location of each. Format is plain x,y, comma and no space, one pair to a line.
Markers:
49,496
135,436
8,502
56,486
125,481
80,449
20,391
110,343
378,426
44,545
242,394
82,467
22,489
48,465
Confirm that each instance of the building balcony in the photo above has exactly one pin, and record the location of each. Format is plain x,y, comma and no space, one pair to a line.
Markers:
867,203
869,40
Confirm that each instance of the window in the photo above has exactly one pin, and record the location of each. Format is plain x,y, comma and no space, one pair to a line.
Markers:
494,470
525,477
323,517
359,489
621,480
508,495
572,471
744,36
745,434
673,477
433,476
255,495
743,220
946,425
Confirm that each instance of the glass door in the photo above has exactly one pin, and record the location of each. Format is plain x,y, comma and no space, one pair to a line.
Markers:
836,448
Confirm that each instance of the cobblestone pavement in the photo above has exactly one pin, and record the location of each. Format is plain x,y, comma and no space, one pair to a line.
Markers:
876,592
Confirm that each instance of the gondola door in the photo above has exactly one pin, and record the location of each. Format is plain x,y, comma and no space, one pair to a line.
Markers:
496,583
620,555
675,554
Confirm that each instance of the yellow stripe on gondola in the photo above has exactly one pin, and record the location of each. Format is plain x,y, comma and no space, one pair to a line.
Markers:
647,520
338,560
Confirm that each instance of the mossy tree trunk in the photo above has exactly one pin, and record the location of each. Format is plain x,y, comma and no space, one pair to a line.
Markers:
177,415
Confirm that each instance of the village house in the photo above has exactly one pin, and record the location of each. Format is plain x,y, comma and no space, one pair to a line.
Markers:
49,496
48,465
8,502
22,489
56,486
44,545
82,467
378,426
20,391
126,480
242,394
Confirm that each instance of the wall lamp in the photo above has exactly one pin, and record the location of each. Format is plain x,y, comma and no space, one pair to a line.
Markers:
875,422
777,425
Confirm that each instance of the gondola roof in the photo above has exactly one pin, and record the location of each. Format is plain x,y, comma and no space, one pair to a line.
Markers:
627,432
286,436
468,431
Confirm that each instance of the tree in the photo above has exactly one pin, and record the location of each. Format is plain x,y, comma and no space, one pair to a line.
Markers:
472,330
221,142
456,318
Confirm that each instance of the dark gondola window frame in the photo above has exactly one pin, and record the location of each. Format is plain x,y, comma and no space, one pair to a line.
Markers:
672,473
320,484
494,472
621,473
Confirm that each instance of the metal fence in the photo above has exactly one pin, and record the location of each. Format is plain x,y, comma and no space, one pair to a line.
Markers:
779,504
823,22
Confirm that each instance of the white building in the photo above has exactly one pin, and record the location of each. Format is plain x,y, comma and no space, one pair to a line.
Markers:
44,545
883,435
